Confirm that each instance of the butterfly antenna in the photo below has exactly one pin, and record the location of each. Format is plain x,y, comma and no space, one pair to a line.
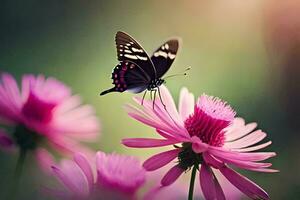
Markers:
184,73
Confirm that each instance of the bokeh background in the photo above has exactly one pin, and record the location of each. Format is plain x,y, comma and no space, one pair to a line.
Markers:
246,52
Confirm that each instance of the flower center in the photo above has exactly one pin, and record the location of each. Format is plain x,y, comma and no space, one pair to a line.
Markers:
211,115
25,138
188,158
37,109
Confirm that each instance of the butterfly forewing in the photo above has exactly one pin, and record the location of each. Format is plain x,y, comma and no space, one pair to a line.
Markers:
129,50
164,56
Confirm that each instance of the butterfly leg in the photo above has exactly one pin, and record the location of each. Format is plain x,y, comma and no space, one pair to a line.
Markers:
164,105
143,97
154,99
151,94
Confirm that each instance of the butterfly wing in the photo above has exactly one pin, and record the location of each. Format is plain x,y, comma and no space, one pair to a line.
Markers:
164,56
129,50
128,76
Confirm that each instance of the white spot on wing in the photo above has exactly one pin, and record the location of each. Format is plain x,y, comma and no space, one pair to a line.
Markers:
164,54
128,44
136,50
167,46
127,51
142,58
130,56
171,56
161,53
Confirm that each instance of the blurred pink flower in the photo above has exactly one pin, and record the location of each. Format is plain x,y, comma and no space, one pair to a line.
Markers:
44,112
210,137
118,177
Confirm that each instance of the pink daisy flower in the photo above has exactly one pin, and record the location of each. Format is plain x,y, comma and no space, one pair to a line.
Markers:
43,112
204,135
117,177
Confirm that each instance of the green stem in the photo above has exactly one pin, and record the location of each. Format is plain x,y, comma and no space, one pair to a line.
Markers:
18,173
192,183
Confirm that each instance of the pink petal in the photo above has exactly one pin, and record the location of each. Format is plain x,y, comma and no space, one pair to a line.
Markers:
6,142
197,145
248,140
251,156
45,160
254,148
186,103
146,142
171,176
245,164
159,160
156,119
245,185
71,175
64,179
238,129
12,90
166,135
84,165
60,194
210,160
209,184
169,102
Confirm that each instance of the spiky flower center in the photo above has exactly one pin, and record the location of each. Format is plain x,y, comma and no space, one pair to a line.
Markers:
211,115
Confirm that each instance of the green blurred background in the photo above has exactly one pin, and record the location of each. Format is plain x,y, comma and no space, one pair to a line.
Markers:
246,52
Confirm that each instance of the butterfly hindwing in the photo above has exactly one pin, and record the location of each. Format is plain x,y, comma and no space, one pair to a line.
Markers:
129,50
128,76
164,56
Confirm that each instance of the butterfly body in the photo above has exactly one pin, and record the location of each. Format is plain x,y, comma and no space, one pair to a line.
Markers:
136,71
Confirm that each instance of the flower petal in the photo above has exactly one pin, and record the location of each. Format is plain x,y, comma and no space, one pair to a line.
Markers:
254,148
6,142
186,103
45,160
238,129
85,166
248,140
197,145
245,185
147,142
169,102
159,160
171,176
209,184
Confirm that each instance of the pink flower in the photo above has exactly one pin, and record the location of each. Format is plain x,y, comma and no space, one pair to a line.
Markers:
118,177
206,135
43,111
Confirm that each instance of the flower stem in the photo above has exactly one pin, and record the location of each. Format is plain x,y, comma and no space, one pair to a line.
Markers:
18,173
192,183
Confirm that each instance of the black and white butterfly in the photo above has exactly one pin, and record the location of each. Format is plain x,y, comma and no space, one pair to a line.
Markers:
137,72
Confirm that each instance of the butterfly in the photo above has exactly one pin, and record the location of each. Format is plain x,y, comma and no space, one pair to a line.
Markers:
136,71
